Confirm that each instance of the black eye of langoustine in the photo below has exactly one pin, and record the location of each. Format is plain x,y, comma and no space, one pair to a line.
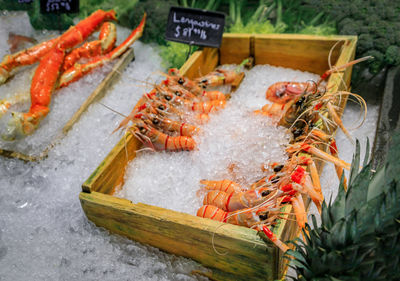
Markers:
161,107
297,133
275,179
265,193
142,130
278,168
168,97
180,81
156,121
300,101
263,217
177,94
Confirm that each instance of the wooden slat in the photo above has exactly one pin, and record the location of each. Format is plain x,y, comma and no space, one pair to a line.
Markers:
184,235
163,228
309,53
109,175
97,94
288,230
104,86
235,48
200,63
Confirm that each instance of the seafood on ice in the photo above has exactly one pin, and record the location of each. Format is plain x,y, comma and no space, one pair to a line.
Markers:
59,66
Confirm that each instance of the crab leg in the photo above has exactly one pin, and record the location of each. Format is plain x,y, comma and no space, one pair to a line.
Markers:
5,104
46,75
78,70
106,42
24,57
35,53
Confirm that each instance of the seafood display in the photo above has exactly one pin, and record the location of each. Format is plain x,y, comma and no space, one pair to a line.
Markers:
310,112
59,65
168,115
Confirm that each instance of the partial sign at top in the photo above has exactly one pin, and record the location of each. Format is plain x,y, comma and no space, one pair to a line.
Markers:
195,27
59,6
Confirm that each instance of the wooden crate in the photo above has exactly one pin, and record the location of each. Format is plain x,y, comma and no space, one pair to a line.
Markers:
97,94
190,236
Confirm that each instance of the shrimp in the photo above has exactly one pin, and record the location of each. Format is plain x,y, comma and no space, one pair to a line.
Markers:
227,186
157,140
213,95
174,78
239,200
209,106
168,125
217,78
251,217
282,92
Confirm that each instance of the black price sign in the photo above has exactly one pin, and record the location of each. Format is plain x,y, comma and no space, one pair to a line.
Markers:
195,27
59,6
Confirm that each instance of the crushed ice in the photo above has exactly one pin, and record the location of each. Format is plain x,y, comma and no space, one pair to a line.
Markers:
234,145
44,234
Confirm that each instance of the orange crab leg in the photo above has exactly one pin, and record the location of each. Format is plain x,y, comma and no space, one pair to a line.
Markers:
76,72
70,38
106,42
43,82
24,57
46,75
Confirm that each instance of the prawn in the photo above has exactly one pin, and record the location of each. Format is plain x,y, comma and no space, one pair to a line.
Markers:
239,200
217,78
157,140
282,92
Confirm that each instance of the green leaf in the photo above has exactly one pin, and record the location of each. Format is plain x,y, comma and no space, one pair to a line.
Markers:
356,196
355,164
376,184
366,157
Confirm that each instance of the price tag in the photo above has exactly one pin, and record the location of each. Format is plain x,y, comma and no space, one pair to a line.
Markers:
59,6
195,27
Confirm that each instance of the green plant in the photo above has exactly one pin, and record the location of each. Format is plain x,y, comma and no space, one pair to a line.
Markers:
376,23
174,54
359,235
277,16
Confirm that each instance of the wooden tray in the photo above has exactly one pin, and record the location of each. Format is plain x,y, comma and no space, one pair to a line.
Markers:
97,94
190,236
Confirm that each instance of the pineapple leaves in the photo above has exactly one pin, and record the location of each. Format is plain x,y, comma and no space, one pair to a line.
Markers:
359,234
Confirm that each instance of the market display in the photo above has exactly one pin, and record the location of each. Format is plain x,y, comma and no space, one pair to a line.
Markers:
53,56
307,109
171,105
209,170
